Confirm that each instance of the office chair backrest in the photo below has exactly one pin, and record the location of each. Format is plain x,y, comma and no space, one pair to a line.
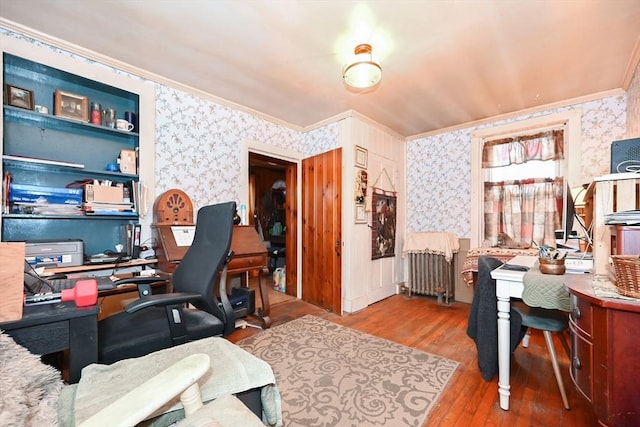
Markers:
199,268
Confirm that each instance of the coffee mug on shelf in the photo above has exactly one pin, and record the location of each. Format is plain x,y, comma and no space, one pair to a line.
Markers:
132,118
41,109
122,124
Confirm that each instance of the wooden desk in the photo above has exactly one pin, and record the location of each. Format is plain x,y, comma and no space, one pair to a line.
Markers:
250,254
605,333
95,267
50,328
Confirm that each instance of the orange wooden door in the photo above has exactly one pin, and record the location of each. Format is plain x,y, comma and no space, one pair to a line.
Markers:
322,230
291,212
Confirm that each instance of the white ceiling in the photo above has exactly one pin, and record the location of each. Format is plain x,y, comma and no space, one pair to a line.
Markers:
445,63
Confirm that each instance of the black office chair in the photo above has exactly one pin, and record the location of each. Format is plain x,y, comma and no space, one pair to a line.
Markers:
154,322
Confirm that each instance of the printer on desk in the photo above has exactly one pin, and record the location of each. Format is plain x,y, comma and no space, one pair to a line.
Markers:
55,253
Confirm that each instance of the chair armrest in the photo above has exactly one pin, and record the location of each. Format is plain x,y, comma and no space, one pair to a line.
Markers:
144,400
161,300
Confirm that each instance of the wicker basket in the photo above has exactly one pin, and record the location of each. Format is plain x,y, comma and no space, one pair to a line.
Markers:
627,274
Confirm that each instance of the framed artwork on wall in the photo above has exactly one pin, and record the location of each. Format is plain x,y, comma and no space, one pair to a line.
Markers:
383,239
361,157
18,97
71,106
361,214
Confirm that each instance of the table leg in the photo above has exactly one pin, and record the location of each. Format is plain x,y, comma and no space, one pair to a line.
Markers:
504,344
264,311
83,345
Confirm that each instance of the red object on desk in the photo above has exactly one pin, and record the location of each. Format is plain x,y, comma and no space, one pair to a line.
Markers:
83,294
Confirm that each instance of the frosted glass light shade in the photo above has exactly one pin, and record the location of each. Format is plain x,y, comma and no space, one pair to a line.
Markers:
364,72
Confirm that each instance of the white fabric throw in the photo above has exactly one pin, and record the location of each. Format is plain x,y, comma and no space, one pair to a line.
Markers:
438,243
232,370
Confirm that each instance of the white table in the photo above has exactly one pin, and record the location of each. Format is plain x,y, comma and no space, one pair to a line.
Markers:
508,285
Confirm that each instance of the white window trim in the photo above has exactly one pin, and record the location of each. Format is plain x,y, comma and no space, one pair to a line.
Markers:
572,123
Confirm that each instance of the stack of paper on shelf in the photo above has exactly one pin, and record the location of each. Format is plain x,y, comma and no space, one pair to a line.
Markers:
623,217
109,208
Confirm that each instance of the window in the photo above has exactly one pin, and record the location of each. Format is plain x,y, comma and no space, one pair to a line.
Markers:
570,124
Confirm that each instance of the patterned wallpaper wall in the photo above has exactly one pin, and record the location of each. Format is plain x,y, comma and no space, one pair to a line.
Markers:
198,145
439,166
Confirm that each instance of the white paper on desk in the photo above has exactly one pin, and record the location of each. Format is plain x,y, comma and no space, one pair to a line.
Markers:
183,235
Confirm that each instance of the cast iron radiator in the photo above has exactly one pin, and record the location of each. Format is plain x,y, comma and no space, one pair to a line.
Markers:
430,271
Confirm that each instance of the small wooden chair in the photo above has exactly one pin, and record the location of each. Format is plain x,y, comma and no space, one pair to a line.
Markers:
547,321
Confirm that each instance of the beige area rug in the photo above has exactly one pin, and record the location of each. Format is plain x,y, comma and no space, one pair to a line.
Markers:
331,375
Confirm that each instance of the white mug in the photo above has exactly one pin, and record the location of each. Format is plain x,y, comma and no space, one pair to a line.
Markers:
122,124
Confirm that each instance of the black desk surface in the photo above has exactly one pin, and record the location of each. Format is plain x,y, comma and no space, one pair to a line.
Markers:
49,313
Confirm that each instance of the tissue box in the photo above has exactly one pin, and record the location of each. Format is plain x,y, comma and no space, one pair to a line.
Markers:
102,193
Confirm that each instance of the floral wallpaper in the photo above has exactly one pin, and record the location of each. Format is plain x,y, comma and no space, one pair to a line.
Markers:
439,166
322,139
198,145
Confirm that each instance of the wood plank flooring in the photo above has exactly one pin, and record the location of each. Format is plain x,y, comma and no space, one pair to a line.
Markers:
468,400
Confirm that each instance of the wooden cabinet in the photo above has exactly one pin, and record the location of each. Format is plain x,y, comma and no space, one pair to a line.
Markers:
605,360
44,149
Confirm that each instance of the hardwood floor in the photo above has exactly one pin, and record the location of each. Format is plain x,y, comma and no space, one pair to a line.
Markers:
468,400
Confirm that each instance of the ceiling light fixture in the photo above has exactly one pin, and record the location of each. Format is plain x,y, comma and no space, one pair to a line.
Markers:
363,72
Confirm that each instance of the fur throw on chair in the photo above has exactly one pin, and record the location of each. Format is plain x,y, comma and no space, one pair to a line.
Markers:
29,389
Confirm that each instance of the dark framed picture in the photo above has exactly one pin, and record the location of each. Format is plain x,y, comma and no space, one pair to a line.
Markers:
71,106
18,97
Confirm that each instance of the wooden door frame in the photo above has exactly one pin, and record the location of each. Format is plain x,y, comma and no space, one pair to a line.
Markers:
250,146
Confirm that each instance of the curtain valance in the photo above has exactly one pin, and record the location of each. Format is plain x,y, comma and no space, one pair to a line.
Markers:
547,145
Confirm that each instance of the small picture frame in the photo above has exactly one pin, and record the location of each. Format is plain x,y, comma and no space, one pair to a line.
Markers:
361,214
71,106
361,157
18,97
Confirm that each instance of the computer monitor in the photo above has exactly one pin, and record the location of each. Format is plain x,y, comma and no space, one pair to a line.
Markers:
568,215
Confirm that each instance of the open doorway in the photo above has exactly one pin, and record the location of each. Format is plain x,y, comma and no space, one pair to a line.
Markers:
272,203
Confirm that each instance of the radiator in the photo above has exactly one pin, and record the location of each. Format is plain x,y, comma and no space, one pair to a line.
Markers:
428,272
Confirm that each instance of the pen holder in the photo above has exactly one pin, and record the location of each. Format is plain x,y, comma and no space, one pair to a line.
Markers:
552,266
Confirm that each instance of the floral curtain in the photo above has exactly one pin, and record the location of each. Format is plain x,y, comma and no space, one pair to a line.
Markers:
527,210
547,145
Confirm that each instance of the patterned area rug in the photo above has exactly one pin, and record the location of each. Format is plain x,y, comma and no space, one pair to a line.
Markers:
331,375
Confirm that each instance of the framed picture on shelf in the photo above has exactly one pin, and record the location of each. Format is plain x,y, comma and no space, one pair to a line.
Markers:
18,97
361,157
361,214
71,106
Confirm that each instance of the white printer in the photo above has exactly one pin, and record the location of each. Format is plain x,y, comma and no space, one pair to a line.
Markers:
55,253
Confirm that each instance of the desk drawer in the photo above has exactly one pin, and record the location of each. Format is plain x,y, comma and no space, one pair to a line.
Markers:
581,315
247,263
581,351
